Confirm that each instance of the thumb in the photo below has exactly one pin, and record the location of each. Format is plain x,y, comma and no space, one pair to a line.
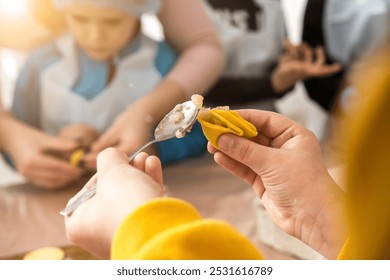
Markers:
245,151
110,158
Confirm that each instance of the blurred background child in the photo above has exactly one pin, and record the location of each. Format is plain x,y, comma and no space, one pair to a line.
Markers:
106,74
262,64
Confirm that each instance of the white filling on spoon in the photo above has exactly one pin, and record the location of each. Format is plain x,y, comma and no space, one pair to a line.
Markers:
179,115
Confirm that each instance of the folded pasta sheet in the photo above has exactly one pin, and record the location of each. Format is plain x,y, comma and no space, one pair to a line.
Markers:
216,122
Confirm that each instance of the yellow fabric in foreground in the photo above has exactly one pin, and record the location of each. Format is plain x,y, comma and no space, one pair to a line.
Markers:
217,122
171,229
368,161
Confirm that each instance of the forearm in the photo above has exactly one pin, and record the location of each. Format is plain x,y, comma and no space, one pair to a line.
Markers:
324,226
11,130
241,90
155,105
198,68
201,53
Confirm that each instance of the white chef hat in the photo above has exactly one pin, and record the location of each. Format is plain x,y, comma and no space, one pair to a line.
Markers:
354,28
137,7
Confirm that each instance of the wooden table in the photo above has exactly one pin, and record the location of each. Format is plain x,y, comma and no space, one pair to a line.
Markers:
30,217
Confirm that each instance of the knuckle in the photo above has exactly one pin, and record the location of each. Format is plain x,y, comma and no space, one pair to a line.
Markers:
25,166
247,153
105,152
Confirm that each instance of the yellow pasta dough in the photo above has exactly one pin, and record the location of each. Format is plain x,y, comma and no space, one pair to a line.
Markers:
216,122
45,253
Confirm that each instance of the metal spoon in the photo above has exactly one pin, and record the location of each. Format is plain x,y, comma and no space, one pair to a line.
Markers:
175,124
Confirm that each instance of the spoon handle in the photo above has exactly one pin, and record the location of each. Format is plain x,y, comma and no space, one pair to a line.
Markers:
91,191
133,155
78,201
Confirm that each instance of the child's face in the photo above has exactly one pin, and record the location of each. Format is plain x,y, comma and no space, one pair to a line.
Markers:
101,32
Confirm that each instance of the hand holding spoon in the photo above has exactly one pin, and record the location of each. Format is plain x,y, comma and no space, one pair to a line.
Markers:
175,124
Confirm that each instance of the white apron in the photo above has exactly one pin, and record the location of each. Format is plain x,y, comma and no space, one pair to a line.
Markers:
250,53
135,76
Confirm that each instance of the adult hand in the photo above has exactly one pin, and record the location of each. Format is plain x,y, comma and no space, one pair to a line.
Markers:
299,63
121,189
284,166
27,146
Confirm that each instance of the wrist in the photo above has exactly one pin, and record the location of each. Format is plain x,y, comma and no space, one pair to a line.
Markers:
281,84
7,127
324,227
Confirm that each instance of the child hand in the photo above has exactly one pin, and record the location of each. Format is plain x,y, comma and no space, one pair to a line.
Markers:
121,189
300,63
27,150
129,132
